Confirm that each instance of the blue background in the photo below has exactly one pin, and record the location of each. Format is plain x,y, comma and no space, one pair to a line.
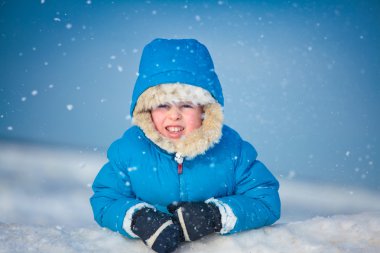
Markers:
300,79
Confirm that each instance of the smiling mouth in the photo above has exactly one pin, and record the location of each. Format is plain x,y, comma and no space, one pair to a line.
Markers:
174,129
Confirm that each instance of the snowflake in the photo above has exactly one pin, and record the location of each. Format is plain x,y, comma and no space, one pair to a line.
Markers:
69,107
130,169
121,174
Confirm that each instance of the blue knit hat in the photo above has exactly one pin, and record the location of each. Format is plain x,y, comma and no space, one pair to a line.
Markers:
185,61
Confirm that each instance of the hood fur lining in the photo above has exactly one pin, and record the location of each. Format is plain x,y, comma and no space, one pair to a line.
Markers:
172,93
199,140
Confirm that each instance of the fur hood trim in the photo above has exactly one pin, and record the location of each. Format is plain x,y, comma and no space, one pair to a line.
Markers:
198,141
172,93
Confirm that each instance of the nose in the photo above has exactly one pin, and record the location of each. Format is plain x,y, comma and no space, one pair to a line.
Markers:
174,113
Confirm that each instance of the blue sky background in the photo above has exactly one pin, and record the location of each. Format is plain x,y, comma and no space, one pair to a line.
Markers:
300,78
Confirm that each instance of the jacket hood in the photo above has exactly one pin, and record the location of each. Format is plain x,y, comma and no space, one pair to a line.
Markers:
173,71
184,61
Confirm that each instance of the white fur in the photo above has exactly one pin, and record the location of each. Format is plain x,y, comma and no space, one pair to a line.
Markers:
127,222
172,93
228,217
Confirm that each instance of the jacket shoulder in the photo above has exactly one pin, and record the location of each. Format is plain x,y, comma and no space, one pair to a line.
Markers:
230,137
127,144
226,130
233,139
134,133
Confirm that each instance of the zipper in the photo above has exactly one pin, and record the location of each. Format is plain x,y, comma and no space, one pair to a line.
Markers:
179,159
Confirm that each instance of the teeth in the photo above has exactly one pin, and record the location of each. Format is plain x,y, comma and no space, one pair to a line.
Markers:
174,129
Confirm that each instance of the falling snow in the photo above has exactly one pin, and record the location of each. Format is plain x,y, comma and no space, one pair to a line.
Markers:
298,79
69,107
131,169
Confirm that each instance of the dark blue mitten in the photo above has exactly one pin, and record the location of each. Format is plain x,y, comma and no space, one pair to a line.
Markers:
156,229
196,219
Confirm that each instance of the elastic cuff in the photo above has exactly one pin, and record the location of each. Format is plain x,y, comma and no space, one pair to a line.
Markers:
127,222
227,215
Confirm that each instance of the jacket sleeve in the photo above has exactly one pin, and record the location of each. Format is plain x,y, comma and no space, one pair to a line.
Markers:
113,202
256,201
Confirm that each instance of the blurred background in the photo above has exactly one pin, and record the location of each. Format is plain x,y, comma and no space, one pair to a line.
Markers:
300,79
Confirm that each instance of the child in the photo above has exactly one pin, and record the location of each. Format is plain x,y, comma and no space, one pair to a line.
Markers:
180,174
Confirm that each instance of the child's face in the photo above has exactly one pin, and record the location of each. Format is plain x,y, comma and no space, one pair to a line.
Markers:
177,120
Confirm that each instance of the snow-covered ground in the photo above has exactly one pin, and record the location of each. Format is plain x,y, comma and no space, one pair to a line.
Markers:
44,207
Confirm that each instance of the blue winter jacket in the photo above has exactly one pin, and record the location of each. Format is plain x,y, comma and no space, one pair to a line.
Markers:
139,171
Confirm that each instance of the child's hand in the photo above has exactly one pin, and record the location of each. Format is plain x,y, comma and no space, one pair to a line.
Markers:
196,219
157,230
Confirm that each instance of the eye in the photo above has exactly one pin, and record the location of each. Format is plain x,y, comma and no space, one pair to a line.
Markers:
163,106
187,105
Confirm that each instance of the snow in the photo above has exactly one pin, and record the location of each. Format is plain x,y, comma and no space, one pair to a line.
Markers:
69,107
354,233
44,207
120,68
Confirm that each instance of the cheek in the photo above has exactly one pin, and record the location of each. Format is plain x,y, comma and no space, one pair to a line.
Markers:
194,120
157,119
